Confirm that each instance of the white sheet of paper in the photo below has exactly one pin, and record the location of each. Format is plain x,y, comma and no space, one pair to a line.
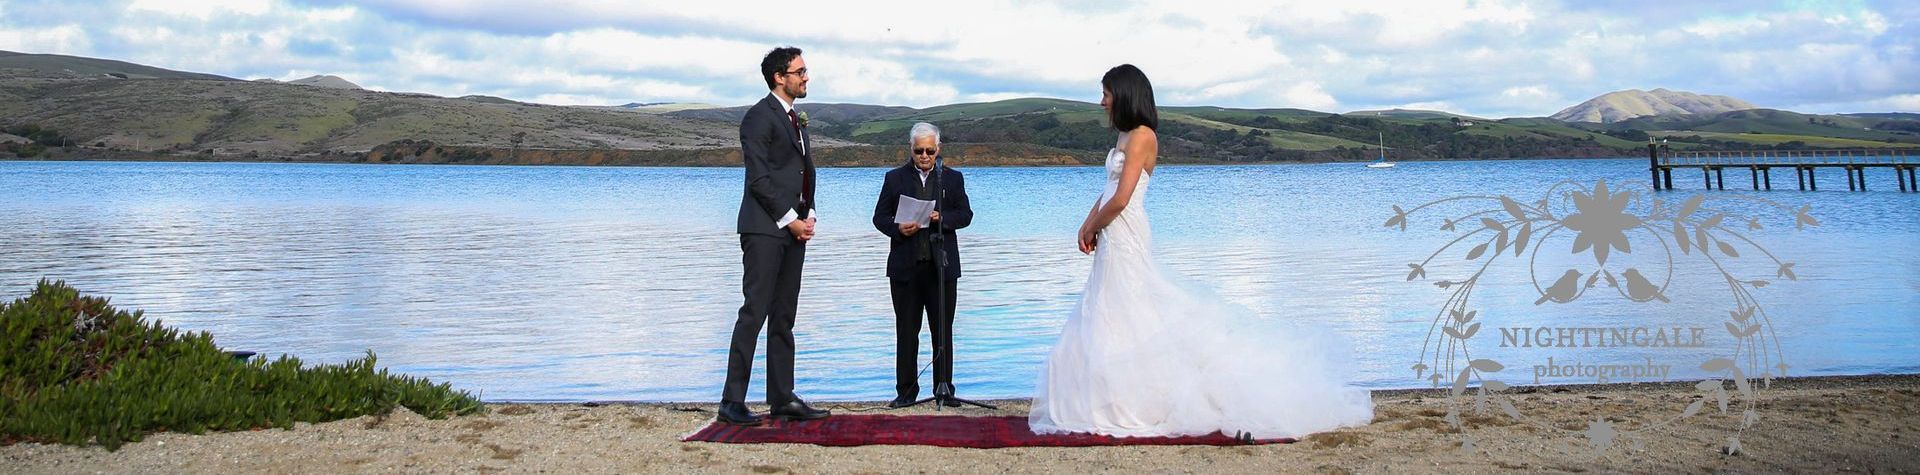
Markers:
913,210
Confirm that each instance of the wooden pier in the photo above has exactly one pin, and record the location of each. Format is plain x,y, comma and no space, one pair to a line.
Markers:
1760,164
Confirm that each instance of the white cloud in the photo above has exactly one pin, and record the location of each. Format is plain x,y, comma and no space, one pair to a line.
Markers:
1491,57
1903,102
1718,27
1308,95
330,14
63,39
619,50
137,34
1442,106
884,82
1894,103
1219,91
1399,23
999,96
1526,92
201,9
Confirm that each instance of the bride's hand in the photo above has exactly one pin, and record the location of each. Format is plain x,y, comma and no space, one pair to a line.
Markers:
1088,240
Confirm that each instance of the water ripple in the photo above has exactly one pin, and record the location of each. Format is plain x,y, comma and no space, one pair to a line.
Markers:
577,283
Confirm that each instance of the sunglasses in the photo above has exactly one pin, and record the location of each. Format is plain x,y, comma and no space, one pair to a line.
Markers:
925,151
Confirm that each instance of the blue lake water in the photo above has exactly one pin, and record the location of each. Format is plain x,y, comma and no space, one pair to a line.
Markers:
586,283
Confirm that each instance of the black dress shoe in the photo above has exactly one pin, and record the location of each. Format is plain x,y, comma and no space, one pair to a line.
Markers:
736,414
902,401
797,411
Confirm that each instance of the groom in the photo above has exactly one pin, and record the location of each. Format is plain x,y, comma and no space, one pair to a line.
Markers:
776,221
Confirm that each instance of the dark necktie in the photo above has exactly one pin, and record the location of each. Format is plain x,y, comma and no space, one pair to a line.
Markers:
806,183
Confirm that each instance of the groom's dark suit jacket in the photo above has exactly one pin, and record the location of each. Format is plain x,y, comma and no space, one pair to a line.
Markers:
955,213
777,171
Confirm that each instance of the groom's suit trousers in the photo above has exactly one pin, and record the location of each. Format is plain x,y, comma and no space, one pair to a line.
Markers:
772,287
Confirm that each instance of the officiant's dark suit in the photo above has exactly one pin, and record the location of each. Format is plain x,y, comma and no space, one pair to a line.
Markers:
911,270
776,220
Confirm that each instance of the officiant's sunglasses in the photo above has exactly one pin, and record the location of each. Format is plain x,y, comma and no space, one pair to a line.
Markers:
924,151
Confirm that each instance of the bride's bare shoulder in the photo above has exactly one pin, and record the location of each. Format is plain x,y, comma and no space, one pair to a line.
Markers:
1143,139
1142,133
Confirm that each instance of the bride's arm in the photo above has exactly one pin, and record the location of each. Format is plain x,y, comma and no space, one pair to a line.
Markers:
1085,237
1142,149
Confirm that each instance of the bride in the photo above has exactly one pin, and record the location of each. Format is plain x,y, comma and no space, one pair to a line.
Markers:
1146,354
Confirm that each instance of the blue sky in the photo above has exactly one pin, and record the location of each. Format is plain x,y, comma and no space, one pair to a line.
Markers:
1484,58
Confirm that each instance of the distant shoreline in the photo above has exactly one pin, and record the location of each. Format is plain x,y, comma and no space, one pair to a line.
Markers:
155,158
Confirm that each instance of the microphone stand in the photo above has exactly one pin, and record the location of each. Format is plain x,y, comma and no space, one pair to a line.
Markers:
942,390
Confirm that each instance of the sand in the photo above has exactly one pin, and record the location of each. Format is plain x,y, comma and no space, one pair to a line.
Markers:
1828,424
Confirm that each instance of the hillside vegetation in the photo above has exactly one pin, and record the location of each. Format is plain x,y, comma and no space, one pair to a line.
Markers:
82,108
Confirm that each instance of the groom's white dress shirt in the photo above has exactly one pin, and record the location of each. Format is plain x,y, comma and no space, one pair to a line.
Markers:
791,213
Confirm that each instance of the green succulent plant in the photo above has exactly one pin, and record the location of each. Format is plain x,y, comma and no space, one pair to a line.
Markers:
74,370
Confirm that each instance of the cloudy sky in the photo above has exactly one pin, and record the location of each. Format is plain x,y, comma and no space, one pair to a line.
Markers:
1484,58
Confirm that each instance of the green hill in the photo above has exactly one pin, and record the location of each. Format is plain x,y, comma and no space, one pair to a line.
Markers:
124,110
1771,127
279,119
819,115
982,110
55,65
1413,114
1884,116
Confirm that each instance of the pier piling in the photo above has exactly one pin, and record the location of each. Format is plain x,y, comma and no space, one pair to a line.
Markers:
1806,165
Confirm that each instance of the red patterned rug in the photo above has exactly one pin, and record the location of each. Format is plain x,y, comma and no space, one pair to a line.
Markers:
942,431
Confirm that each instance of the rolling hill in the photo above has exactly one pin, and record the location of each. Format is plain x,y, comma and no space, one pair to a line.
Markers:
62,66
326,80
1413,114
118,110
1623,105
230,117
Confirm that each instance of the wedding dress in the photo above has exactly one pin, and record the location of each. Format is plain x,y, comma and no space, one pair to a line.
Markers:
1146,353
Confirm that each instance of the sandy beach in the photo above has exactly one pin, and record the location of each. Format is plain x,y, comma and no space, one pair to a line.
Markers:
1845,424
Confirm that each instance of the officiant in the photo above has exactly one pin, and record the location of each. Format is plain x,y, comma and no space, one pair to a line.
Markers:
914,264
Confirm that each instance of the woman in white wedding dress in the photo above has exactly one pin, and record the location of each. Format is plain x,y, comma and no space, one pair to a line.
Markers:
1145,353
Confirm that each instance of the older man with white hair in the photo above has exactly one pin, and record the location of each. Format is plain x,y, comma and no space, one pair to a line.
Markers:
916,262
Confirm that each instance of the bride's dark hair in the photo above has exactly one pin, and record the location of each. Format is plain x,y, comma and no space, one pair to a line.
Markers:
1132,98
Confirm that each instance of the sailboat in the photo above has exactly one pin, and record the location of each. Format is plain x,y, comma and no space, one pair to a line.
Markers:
1382,162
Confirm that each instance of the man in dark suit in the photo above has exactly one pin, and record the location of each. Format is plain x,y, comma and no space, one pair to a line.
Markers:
915,262
776,221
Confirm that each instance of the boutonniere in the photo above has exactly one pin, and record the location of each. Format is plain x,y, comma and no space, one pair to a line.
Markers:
803,119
